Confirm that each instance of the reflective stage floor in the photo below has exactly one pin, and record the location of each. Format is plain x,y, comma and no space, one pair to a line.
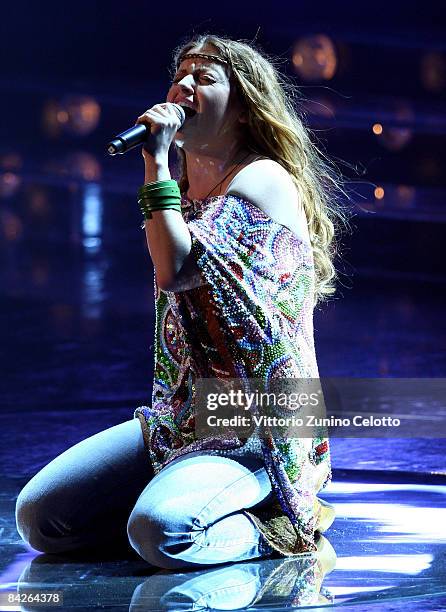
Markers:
389,537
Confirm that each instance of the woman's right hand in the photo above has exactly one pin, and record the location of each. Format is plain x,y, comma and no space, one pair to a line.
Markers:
163,122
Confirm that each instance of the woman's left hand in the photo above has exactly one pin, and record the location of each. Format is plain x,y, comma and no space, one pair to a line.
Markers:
163,122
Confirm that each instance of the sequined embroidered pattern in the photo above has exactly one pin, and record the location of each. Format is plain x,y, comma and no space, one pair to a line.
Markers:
251,318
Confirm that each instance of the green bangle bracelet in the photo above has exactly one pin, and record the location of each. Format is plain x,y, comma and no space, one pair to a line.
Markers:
167,182
167,203
159,195
159,192
165,200
160,188
172,205
147,204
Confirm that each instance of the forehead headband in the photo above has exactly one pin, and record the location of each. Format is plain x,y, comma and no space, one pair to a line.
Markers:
214,58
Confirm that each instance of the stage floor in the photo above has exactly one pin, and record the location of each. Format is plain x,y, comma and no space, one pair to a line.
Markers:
389,537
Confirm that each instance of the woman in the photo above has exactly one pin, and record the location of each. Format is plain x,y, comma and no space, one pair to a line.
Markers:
240,262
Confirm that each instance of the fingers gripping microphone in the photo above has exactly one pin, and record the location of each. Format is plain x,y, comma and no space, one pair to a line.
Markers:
137,135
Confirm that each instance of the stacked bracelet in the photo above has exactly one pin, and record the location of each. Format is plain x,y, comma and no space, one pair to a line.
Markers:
159,195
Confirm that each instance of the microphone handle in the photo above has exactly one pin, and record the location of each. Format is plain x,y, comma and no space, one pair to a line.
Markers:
137,135
127,140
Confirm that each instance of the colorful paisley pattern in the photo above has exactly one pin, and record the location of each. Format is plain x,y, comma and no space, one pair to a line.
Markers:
251,318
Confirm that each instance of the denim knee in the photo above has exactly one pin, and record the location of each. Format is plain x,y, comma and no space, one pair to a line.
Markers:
30,516
157,533
36,523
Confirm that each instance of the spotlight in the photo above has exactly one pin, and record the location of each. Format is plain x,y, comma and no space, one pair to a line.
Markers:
315,58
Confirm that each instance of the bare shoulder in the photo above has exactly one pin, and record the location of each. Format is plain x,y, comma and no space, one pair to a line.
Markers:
269,186
260,177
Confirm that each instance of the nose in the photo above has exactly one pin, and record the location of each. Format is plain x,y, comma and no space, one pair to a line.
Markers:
186,83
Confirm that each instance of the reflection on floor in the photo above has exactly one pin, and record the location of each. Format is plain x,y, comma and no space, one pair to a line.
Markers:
389,537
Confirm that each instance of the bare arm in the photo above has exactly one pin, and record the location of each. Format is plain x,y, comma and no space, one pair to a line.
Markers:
168,237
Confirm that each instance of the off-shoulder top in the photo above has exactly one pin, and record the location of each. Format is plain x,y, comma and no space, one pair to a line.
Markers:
252,318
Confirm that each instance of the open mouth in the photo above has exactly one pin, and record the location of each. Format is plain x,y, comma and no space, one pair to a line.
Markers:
189,112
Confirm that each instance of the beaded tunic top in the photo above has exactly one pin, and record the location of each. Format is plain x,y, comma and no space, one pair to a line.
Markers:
251,319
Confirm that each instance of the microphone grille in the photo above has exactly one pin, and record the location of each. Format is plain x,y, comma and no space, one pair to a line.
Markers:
180,112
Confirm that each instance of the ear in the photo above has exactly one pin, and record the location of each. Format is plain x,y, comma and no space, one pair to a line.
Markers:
243,117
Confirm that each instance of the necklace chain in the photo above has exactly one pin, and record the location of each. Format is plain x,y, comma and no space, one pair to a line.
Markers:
226,176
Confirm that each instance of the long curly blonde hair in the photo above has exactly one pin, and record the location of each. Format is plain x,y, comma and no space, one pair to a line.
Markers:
275,129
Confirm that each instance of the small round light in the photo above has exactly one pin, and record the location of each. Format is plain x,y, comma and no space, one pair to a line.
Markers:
315,58
377,128
379,193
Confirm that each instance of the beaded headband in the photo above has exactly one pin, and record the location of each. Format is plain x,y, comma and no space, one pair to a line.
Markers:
208,56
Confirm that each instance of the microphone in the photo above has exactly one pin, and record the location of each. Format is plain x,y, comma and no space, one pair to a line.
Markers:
137,135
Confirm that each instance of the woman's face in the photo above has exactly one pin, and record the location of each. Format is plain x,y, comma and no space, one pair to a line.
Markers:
204,86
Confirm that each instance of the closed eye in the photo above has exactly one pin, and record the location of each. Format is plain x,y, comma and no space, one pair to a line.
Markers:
201,76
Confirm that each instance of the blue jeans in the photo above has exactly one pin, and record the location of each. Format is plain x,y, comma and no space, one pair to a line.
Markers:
249,584
101,494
